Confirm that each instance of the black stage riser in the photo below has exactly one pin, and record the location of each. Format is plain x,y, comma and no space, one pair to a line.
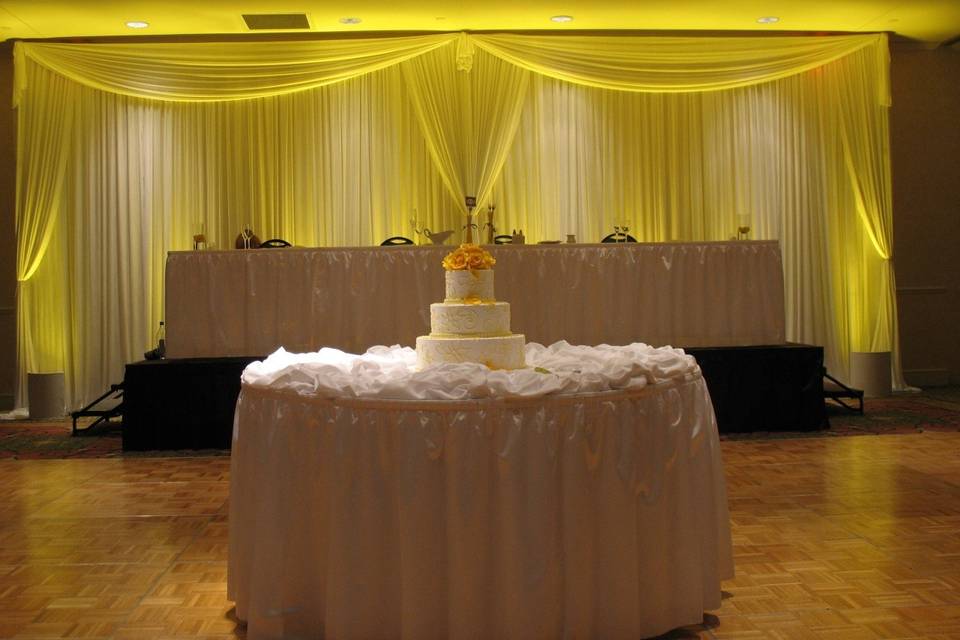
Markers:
769,388
181,404
189,403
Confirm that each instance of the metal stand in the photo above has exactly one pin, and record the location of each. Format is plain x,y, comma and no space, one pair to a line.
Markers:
103,415
838,392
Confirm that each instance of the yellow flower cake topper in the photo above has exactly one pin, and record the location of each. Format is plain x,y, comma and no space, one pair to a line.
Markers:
468,256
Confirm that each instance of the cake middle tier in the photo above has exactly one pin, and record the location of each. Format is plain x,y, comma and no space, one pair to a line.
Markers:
457,319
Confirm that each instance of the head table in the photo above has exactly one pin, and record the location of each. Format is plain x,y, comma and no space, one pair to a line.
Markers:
250,302
368,500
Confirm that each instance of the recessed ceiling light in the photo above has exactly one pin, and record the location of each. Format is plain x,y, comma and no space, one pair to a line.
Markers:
138,24
350,20
768,19
562,18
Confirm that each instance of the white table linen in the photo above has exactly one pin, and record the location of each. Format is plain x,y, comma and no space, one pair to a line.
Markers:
583,515
250,302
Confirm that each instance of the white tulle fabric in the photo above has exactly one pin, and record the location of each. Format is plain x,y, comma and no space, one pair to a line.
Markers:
371,501
390,373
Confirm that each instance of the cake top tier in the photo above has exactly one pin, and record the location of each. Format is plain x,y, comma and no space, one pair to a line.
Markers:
470,286
468,257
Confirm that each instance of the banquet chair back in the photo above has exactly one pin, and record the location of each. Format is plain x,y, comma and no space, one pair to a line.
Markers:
274,243
619,237
395,240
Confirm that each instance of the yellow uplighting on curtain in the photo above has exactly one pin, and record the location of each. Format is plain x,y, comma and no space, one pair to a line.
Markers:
865,135
674,64
44,125
213,71
864,132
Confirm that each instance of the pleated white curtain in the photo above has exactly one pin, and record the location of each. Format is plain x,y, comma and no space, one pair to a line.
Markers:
110,182
342,165
685,167
468,106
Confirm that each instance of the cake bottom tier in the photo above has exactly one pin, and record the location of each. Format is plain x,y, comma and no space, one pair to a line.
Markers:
500,352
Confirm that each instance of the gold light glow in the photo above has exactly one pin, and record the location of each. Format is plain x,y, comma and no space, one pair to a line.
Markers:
933,21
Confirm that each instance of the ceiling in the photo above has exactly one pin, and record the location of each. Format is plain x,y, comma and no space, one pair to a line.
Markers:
929,23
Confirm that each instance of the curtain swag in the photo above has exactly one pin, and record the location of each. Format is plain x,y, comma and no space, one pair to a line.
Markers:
213,71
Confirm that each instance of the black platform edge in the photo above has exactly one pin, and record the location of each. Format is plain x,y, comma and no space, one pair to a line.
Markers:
183,403
766,387
189,403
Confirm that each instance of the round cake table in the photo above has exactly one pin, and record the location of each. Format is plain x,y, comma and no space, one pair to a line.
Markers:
577,515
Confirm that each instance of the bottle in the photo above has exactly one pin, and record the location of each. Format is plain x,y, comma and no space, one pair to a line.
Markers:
161,340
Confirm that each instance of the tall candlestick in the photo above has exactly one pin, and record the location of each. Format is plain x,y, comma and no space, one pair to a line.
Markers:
471,202
491,230
469,228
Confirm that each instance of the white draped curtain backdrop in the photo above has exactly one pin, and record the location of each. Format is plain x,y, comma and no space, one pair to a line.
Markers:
128,150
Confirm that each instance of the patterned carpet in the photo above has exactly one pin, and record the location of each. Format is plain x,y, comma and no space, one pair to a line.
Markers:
931,410
935,409
51,439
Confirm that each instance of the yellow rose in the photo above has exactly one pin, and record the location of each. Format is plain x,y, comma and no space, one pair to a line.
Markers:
468,256
476,261
455,262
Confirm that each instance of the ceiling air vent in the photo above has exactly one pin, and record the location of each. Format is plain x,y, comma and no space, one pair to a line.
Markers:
275,21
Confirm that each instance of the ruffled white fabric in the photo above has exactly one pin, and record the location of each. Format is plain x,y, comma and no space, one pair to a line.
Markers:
390,372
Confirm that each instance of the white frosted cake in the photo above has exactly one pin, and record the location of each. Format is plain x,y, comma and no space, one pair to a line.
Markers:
470,325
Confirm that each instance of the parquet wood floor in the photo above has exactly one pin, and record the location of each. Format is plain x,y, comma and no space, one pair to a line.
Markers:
847,538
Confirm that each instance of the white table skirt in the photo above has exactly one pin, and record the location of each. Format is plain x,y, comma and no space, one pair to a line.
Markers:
569,516
249,303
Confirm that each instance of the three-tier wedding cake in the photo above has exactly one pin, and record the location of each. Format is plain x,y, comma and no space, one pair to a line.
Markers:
470,325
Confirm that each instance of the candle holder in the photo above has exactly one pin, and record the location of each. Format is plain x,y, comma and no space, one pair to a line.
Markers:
743,227
417,231
200,238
